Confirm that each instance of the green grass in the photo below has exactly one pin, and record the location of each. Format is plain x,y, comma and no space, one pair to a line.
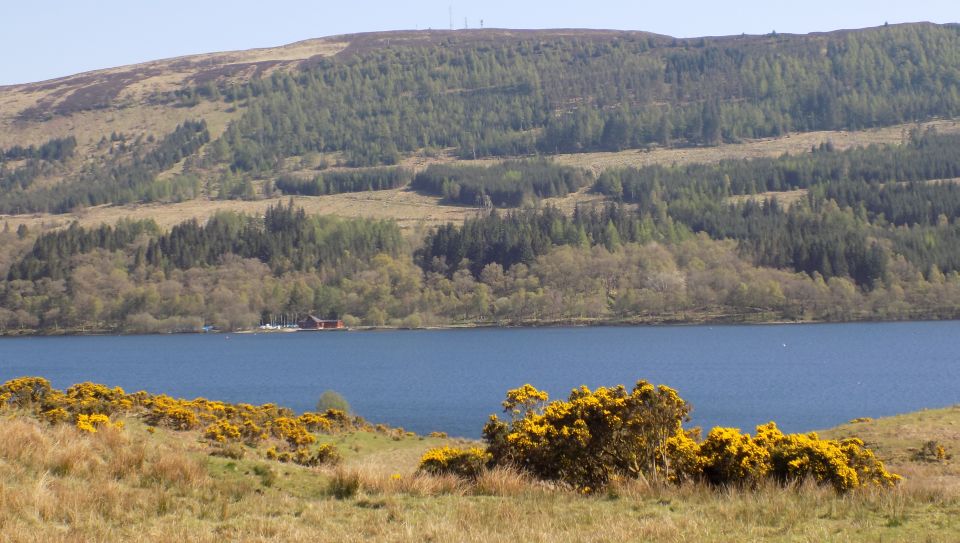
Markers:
900,437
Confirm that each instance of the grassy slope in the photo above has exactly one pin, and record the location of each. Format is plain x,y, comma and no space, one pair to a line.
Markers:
124,100
410,209
134,485
92,104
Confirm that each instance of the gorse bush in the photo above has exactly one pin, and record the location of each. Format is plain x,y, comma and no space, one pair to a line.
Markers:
90,423
728,457
590,438
326,454
222,431
596,436
24,392
932,451
465,463
90,406
585,442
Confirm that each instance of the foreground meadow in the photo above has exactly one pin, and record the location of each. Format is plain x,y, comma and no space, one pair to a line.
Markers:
143,480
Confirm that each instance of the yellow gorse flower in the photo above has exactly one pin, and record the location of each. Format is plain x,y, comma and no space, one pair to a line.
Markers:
596,436
468,463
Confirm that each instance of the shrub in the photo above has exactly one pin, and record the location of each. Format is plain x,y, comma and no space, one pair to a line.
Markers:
233,451
729,457
683,456
344,485
95,398
267,476
24,392
331,399
315,422
338,417
932,451
326,454
167,411
465,463
589,438
55,415
598,436
90,423
251,433
222,431
870,470
292,431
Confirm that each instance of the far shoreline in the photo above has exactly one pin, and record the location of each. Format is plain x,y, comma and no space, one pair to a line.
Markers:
559,323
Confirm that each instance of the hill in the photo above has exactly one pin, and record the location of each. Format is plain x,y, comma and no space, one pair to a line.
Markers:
741,178
135,98
372,99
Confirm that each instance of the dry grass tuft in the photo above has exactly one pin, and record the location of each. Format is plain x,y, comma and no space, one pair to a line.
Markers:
506,482
22,440
375,479
175,470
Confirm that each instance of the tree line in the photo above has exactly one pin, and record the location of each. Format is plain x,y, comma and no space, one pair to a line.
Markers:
692,279
285,239
508,184
336,182
53,150
518,237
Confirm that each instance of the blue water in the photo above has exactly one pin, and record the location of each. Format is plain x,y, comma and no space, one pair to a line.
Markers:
802,376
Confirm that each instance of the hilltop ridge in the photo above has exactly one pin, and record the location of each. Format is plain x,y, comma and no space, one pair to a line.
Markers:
139,84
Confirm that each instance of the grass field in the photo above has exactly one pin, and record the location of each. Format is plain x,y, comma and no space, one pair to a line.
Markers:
134,485
769,147
408,208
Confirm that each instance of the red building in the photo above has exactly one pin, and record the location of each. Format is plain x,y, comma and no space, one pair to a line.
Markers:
313,323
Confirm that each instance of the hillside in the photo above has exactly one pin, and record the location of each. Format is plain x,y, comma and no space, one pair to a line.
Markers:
382,98
136,98
490,177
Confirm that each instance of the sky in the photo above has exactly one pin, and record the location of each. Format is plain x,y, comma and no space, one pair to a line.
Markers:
44,39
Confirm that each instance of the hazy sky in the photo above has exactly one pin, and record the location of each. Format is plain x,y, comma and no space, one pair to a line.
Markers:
42,39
